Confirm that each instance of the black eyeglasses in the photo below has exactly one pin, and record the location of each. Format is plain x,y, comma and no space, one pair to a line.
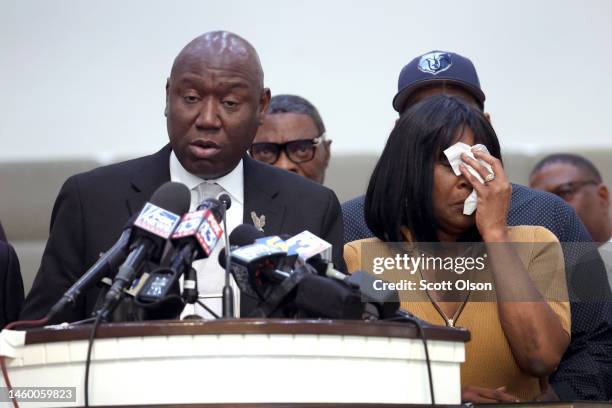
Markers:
567,190
298,151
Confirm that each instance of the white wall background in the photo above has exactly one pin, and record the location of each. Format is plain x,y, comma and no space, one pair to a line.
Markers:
83,78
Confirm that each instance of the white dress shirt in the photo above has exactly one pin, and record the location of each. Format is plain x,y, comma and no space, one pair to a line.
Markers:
211,277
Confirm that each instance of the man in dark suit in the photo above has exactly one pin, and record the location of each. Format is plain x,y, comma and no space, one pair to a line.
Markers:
215,101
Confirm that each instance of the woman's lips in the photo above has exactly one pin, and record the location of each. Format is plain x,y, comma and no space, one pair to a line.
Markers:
458,207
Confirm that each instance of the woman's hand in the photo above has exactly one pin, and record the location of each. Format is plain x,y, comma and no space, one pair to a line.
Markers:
534,331
480,395
493,196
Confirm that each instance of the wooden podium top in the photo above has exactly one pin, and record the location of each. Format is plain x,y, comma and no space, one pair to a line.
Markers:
245,326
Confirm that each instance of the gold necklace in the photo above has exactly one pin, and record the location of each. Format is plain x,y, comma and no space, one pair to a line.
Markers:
450,322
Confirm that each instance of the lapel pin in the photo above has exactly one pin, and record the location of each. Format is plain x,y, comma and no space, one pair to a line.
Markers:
258,222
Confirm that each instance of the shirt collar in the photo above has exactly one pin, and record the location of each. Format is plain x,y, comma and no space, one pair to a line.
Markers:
232,182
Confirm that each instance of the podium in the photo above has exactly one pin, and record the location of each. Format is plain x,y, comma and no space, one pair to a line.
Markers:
245,362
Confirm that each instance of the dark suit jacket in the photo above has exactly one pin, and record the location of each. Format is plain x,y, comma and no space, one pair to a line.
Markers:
11,285
93,207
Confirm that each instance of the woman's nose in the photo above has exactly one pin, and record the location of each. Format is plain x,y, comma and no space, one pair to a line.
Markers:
462,183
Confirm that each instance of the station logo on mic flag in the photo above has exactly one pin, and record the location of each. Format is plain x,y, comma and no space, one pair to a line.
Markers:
306,245
252,252
201,224
274,241
209,233
157,221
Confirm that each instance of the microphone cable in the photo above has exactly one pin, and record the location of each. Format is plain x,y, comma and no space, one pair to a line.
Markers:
421,332
7,381
92,337
3,367
208,309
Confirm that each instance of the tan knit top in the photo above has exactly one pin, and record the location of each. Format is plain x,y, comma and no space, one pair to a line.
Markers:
489,361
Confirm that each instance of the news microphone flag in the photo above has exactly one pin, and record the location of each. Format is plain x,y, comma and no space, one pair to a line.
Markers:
157,220
306,245
203,226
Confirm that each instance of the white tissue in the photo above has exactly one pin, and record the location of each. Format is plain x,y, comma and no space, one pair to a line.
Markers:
453,154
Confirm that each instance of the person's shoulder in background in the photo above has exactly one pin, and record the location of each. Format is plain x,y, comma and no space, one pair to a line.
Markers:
584,370
11,285
535,207
355,227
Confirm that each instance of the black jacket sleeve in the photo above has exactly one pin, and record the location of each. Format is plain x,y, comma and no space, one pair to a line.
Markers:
12,285
63,259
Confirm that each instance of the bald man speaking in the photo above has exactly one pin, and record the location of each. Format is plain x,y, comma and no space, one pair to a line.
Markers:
215,102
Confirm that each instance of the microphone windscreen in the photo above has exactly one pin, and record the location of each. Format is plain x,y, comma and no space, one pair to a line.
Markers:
386,301
222,258
326,298
225,200
244,234
173,197
209,204
213,205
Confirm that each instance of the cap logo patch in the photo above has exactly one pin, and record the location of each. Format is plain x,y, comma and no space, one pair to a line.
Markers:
435,62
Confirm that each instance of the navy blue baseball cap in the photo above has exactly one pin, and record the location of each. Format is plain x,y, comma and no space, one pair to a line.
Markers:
437,66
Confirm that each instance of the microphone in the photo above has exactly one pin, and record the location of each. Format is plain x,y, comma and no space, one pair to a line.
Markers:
255,269
107,262
317,253
321,297
195,237
228,292
225,200
309,248
199,230
244,234
306,245
252,264
386,301
279,241
190,286
153,226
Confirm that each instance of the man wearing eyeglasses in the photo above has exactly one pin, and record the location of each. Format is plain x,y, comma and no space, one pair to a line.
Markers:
576,180
292,138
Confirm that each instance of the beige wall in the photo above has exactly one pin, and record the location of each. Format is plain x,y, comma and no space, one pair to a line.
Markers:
28,191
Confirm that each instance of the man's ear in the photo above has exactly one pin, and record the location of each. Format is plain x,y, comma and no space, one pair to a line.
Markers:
264,104
488,116
327,149
167,93
604,194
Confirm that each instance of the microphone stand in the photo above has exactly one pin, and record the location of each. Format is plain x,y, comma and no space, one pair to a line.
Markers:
190,294
228,291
